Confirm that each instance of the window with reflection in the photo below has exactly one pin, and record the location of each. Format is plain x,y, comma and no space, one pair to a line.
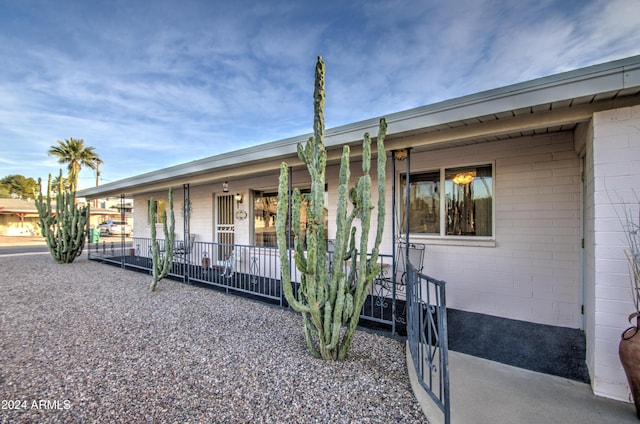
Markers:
424,203
463,208
265,210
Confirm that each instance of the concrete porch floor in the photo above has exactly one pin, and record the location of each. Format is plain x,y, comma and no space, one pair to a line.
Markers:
487,392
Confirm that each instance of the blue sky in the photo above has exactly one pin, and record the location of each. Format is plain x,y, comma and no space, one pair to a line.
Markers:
152,84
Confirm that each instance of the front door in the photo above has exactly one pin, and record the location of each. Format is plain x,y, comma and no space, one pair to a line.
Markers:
225,225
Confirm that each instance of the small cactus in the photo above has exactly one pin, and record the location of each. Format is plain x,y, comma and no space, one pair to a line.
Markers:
331,301
65,228
162,261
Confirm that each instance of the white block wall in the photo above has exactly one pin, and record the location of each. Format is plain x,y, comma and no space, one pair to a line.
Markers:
613,174
532,271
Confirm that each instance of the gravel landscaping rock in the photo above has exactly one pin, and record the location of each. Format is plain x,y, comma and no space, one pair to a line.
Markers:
88,342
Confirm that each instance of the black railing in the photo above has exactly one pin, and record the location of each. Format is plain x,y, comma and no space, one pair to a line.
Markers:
251,270
427,336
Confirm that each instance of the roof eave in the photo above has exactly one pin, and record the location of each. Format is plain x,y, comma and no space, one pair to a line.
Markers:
602,78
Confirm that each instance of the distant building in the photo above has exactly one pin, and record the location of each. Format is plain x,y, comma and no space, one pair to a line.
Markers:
19,217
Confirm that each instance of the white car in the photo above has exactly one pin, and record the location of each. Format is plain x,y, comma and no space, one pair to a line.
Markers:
113,228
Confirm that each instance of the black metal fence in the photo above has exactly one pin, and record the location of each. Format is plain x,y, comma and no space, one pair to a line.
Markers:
249,270
427,336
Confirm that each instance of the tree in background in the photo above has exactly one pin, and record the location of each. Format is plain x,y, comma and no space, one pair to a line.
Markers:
18,186
75,154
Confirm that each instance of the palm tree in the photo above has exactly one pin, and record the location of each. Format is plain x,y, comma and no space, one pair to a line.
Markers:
74,153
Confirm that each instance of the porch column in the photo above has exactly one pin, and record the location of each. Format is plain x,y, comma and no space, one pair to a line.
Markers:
122,233
186,218
613,185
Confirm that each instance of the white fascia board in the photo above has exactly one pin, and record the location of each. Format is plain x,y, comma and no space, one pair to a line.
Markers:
592,80
569,85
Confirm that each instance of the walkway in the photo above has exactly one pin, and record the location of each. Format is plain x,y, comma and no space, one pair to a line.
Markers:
487,392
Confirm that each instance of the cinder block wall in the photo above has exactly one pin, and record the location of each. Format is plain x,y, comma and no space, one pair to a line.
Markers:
613,177
532,270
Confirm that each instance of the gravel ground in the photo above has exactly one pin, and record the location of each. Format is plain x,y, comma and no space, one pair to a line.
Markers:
87,342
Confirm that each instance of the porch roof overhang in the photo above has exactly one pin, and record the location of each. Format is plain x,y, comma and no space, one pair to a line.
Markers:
549,104
17,206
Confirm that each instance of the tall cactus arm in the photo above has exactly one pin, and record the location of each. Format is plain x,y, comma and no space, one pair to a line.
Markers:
381,177
281,231
342,224
161,264
155,247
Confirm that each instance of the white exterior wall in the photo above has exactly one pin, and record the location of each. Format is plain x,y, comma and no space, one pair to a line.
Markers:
532,270
614,176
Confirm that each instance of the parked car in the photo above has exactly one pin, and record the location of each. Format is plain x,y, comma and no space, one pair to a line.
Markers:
112,228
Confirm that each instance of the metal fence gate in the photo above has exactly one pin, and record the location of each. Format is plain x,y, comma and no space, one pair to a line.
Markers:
427,336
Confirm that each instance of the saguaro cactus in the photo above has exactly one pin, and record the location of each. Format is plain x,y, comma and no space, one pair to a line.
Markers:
330,301
162,259
65,228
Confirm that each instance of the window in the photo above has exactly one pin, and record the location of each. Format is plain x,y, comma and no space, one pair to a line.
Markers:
424,203
161,207
265,210
463,208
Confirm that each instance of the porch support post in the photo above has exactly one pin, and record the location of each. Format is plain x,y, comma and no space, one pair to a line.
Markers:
407,218
402,154
122,234
393,242
186,218
88,243
407,205
289,213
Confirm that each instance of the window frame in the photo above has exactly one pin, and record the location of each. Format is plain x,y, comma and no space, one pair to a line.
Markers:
442,237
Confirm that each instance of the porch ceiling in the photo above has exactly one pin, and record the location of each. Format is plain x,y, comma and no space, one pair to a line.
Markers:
545,118
546,105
